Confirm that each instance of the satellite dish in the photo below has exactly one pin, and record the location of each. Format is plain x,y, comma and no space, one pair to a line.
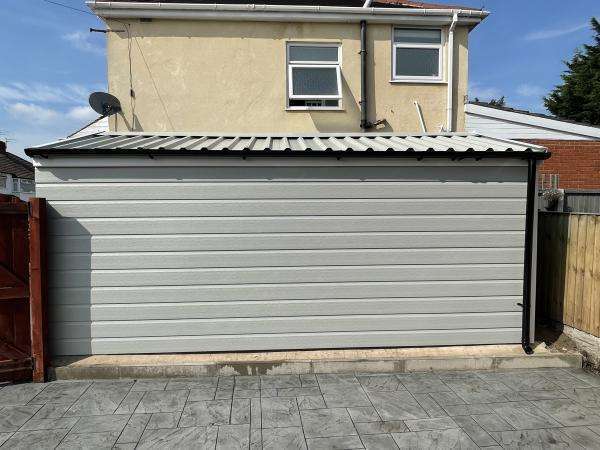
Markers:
105,104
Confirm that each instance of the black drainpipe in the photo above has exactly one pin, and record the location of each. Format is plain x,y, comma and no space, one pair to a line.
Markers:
529,219
364,121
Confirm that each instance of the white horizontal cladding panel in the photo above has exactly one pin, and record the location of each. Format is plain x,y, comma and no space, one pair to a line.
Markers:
296,241
293,341
181,161
273,275
424,171
273,325
283,308
290,224
282,258
203,254
281,190
278,292
258,208
72,346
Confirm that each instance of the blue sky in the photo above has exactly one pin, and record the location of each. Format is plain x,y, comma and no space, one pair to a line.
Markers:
51,62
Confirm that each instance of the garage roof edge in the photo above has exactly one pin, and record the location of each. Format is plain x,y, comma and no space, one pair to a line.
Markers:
356,144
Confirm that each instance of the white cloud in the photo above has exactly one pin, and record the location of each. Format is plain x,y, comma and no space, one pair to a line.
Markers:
32,113
477,90
554,33
530,90
82,113
81,41
43,93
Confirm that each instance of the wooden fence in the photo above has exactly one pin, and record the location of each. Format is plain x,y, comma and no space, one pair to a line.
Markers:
22,289
568,271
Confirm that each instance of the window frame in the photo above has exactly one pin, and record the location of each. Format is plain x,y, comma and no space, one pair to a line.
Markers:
440,78
313,64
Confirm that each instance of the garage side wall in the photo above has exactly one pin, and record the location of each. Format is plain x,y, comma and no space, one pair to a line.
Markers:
206,254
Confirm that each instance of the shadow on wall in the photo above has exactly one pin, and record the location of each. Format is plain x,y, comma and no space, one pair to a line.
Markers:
553,235
69,286
337,121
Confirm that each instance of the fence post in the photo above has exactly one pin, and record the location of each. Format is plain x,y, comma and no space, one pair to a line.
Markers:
37,286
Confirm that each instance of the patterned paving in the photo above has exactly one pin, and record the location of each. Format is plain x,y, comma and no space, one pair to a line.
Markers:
544,408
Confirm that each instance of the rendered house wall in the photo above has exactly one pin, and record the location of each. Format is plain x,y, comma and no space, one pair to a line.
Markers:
202,76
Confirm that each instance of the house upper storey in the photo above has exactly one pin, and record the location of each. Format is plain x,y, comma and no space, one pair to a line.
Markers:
289,66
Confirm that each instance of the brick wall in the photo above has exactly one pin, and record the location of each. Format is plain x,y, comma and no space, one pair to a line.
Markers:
576,162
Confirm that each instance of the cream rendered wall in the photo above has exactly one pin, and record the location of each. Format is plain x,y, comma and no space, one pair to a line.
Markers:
202,76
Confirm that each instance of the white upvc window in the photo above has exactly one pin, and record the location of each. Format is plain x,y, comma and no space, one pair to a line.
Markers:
314,75
417,54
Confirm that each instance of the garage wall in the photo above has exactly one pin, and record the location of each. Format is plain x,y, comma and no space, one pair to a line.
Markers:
206,254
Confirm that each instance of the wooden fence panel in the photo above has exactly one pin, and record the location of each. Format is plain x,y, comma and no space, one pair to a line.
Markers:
568,282
22,289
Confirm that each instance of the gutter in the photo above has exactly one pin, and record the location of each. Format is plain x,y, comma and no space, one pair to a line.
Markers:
450,97
328,153
282,13
364,115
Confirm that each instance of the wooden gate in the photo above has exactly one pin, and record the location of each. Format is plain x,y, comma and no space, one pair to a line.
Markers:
22,289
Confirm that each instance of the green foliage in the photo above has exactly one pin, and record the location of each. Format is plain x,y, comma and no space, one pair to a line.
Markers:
578,97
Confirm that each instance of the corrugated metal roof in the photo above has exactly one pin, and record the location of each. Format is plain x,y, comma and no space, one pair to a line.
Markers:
359,143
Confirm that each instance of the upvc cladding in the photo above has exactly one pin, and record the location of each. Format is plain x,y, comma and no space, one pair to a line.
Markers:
224,254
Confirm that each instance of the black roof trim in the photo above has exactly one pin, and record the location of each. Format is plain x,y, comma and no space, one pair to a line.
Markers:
477,154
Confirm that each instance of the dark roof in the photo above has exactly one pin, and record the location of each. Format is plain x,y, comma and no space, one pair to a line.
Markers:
447,145
351,3
533,114
14,165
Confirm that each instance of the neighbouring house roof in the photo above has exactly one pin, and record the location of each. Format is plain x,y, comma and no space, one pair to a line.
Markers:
99,125
359,144
520,124
13,165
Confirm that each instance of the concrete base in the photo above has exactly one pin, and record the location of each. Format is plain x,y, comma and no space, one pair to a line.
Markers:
488,357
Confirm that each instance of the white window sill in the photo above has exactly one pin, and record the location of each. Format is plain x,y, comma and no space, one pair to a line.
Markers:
418,81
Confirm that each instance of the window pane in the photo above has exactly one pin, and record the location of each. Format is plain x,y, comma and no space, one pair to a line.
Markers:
304,53
410,36
315,81
417,62
27,186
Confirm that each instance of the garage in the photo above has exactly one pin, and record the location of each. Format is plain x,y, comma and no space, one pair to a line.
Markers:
181,243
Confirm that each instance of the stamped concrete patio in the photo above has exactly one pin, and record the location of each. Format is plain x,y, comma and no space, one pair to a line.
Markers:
543,408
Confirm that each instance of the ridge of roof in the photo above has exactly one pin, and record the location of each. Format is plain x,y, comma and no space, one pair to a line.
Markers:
533,114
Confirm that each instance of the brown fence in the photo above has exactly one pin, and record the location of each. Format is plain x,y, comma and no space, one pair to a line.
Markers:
568,284
22,289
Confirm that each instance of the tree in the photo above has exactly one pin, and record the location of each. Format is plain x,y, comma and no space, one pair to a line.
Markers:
578,97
